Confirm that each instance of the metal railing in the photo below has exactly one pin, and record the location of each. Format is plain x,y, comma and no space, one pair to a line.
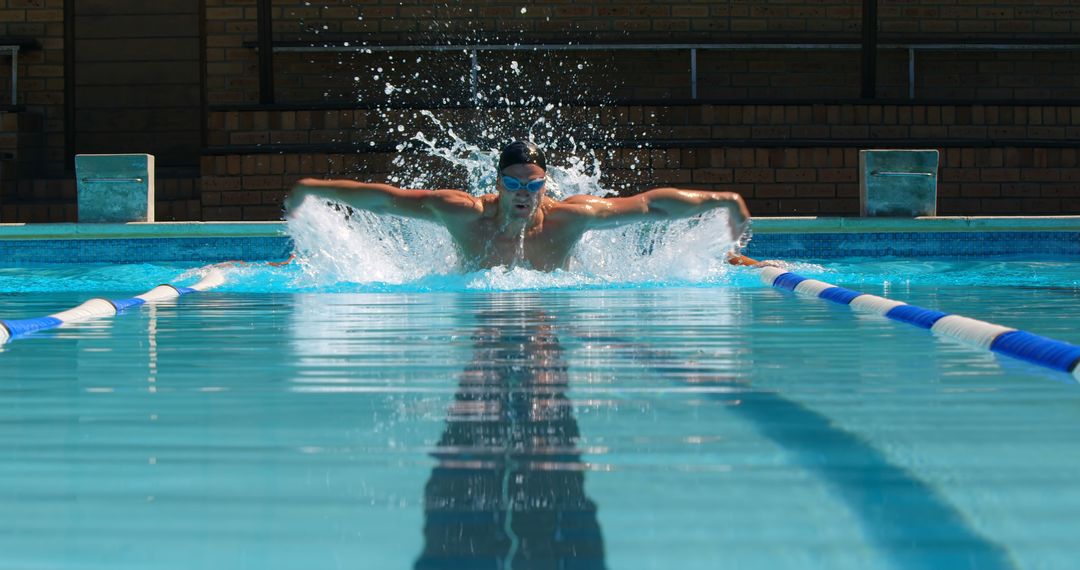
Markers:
13,51
473,51
912,48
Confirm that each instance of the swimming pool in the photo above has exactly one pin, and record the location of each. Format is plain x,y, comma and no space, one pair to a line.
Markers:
633,425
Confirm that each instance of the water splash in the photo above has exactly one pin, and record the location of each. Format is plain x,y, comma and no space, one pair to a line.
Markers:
338,245
691,250
554,99
579,175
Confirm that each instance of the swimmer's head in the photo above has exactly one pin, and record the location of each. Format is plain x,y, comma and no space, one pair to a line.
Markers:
522,179
521,152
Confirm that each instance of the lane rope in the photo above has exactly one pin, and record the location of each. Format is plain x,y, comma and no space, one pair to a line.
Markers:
98,308
1040,350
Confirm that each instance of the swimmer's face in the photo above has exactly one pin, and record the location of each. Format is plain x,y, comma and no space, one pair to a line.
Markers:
520,202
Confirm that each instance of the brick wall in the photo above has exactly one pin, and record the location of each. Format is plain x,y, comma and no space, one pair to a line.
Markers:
504,21
31,134
39,201
9,146
41,81
252,187
766,156
46,200
824,181
621,75
394,22
776,181
983,20
997,158
137,79
231,69
21,142
822,125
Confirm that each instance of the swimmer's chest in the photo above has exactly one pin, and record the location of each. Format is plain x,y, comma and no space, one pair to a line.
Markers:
546,248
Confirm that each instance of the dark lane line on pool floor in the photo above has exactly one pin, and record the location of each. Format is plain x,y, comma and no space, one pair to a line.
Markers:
900,526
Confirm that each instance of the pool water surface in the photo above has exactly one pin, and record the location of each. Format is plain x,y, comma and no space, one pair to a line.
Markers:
635,425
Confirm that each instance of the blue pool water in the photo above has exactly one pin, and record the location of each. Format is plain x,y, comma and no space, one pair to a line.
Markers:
520,420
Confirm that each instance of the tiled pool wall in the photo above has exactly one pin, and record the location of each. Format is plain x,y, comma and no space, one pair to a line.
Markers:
773,239
914,244
141,250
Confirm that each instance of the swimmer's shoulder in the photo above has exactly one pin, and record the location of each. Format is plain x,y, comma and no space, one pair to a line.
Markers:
581,205
584,199
457,202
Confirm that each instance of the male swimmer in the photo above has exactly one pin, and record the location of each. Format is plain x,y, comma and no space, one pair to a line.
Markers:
519,224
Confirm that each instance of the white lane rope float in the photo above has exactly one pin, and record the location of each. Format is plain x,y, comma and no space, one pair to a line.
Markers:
99,308
1043,351
1040,350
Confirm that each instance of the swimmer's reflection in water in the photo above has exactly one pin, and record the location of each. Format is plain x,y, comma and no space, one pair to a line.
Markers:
508,490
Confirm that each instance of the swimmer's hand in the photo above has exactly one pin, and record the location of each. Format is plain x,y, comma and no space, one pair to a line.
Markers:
292,257
737,259
237,262
331,190
296,196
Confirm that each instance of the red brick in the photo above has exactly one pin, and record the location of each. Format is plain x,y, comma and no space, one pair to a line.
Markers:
713,175
225,213
240,198
796,175
838,207
999,175
1007,207
1020,189
983,190
1041,206
754,175
838,175
775,191
1040,174
799,207
269,182
817,190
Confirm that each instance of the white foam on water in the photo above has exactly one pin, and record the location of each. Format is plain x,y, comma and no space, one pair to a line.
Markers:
337,245
362,247
683,250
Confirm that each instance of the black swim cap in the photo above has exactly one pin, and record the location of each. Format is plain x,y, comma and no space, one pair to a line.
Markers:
521,152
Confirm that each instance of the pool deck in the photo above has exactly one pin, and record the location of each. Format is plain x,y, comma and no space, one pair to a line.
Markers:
793,225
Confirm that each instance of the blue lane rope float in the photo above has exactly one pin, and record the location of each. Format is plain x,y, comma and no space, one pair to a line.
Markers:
98,308
1033,348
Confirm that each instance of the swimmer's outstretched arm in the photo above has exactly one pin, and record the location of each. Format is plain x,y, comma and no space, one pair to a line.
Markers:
660,204
383,198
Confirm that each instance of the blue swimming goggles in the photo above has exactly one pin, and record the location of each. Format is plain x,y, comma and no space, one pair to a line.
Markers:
513,184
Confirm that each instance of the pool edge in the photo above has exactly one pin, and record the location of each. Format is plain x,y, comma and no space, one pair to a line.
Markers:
73,231
773,225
